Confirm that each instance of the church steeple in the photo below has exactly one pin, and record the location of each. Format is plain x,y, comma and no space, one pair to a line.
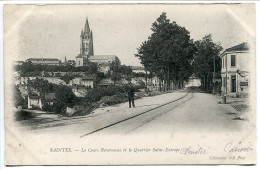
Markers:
87,29
86,40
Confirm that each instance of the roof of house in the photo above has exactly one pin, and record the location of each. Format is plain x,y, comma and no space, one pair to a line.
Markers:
18,61
88,77
101,57
33,95
105,82
104,64
50,59
137,67
240,47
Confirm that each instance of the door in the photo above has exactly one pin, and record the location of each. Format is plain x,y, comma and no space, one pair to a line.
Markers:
233,83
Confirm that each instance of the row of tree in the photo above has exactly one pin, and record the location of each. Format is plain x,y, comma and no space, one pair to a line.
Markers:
172,56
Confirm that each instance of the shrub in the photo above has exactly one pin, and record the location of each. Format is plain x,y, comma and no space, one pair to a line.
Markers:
116,99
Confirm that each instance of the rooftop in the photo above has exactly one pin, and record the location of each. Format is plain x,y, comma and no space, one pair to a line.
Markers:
137,67
88,77
102,57
53,59
241,47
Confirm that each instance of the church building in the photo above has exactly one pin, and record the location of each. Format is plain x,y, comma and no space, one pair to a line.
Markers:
87,52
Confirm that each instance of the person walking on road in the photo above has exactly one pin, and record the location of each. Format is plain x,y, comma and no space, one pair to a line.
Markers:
131,94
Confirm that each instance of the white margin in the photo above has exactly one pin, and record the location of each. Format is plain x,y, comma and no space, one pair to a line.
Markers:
195,167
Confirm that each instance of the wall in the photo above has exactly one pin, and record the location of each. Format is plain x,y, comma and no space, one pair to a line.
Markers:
242,59
79,62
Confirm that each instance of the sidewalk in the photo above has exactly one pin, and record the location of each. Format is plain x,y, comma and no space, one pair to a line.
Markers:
238,106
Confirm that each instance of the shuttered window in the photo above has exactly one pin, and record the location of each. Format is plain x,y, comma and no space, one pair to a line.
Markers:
233,60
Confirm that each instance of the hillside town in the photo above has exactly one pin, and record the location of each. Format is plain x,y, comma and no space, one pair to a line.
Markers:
85,73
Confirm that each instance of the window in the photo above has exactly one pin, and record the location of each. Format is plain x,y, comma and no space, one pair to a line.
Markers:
225,61
233,60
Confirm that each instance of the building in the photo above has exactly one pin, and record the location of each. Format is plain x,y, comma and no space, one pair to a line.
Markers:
18,63
87,52
34,101
235,73
83,81
44,61
137,69
88,81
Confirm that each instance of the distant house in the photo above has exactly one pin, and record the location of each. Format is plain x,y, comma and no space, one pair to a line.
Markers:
54,80
18,63
34,101
137,69
103,62
235,72
88,81
23,80
44,61
105,82
194,81
83,81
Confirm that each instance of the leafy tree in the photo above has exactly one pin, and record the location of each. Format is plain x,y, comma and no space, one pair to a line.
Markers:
71,62
168,52
207,54
115,77
115,68
64,98
125,70
17,96
41,85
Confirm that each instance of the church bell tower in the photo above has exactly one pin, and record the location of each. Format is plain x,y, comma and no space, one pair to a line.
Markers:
86,41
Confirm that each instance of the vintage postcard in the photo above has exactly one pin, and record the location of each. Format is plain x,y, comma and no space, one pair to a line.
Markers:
130,84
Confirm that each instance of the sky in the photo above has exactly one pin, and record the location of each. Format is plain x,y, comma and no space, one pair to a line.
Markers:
53,31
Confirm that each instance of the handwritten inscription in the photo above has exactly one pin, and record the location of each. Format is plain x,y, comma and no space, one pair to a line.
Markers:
193,151
239,147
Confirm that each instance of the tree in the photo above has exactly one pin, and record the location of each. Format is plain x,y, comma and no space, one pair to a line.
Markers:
115,77
71,62
64,98
125,70
92,68
17,96
42,86
168,52
207,54
115,68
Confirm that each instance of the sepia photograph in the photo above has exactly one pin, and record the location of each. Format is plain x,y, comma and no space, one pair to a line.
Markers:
130,84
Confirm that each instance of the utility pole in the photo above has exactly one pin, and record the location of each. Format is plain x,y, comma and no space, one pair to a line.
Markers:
214,76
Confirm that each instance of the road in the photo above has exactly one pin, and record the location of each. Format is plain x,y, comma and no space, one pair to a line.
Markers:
186,112
196,112
171,121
